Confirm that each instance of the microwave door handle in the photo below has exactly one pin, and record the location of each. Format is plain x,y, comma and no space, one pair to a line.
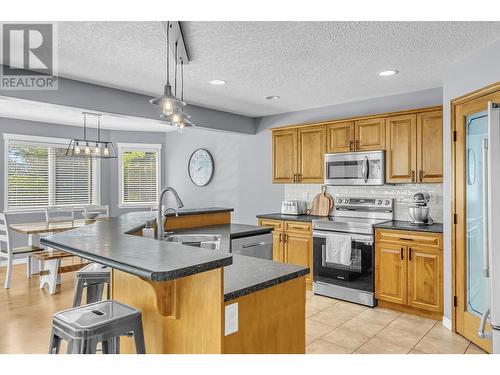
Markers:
365,169
486,261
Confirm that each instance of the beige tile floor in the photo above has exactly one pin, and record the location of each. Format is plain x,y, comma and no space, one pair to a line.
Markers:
338,327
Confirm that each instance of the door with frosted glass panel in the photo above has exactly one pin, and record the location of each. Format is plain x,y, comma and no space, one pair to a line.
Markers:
471,206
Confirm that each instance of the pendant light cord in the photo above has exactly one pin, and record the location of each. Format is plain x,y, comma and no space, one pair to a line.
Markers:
182,80
175,85
166,33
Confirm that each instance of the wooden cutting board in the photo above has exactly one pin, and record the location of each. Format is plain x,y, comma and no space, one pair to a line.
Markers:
322,203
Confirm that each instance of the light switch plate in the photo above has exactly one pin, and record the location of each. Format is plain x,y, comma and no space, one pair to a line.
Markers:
231,319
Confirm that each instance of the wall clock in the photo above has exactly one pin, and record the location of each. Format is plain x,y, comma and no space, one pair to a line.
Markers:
201,167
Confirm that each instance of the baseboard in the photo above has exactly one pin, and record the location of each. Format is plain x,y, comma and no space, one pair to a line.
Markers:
447,323
3,263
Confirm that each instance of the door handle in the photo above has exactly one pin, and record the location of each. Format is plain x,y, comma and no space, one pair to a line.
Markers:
405,239
281,237
351,145
412,176
294,177
299,177
409,255
401,254
421,175
357,144
364,171
486,250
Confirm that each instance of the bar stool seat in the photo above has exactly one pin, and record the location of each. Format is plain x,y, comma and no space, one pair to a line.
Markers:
93,277
101,322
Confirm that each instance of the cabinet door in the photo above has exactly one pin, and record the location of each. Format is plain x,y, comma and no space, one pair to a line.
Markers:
298,251
425,278
370,134
278,253
390,273
401,154
340,137
277,225
430,146
311,150
284,155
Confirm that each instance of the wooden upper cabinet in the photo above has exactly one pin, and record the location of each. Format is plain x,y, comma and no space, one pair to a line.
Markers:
284,155
425,278
370,134
311,149
340,137
430,146
401,154
390,273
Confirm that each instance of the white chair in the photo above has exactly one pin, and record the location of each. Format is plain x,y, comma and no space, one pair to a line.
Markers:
59,214
9,252
102,209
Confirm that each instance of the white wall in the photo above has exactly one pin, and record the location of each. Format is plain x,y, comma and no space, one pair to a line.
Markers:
480,69
242,177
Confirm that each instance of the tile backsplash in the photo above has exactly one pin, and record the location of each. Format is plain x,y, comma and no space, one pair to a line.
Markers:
402,194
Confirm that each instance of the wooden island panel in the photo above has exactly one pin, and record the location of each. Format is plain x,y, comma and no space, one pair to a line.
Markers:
271,321
196,323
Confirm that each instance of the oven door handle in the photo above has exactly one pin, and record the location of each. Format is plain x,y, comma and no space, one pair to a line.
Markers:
354,237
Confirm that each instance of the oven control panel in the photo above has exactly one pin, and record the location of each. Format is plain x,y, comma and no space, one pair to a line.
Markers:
385,203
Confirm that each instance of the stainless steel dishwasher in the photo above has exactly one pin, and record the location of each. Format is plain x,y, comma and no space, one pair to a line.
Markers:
258,246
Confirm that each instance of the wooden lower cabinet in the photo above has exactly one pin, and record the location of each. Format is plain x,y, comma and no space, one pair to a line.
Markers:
409,274
425,278
298,251
292,243
390,268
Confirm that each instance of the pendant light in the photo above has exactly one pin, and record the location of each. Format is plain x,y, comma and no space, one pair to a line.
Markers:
91,148
172,107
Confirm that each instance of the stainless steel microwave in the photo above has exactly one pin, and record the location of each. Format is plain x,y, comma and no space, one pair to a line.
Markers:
355,168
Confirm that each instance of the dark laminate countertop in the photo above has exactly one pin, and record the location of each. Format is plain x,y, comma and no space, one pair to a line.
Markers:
247,275
405,225
228,232
278,216
108,243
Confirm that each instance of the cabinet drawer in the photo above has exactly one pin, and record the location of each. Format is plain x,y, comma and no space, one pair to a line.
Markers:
298,227
276,224
434,240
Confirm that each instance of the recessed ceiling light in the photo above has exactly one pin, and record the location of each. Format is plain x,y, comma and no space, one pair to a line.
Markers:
272,97
388,73
218,82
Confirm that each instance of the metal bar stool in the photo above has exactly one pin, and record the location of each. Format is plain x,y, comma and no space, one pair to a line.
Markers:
101,322
92,277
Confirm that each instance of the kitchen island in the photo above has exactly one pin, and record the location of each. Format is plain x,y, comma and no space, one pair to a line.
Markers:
195,300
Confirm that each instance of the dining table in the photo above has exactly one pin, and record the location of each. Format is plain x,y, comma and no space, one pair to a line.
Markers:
49,267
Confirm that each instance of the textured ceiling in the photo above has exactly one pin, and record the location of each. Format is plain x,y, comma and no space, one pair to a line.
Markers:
308,64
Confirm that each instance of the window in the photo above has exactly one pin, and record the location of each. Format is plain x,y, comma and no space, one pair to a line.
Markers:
139,174
38,174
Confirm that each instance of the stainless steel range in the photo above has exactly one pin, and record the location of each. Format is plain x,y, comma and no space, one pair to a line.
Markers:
342,271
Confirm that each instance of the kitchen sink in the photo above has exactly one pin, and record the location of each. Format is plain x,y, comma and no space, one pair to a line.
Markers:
206,241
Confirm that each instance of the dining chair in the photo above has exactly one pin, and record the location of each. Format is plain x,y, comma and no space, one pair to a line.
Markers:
59,214
9,252
102,209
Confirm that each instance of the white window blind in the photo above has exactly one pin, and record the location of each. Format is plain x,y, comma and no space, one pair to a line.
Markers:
39,174
139,175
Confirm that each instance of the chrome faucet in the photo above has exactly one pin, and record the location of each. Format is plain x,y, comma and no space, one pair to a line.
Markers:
160,229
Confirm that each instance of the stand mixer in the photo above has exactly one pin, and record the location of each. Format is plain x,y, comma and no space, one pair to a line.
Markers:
419,211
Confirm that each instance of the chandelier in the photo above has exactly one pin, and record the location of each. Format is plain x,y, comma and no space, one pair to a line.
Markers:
91,148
